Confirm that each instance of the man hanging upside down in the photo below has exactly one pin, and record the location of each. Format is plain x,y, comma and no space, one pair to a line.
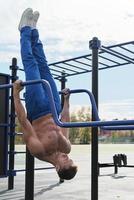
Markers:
44,139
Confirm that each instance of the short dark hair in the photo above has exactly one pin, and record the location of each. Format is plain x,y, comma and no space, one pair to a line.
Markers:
67,174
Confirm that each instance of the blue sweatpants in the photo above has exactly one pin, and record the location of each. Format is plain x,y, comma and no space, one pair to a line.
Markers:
35,67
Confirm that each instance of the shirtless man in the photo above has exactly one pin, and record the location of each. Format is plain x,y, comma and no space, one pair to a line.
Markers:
44,139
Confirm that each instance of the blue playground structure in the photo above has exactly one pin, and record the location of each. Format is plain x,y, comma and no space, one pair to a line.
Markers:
110,57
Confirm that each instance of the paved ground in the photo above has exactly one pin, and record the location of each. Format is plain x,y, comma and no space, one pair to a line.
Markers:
111,187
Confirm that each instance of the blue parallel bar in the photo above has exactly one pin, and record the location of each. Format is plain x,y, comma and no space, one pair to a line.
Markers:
17,152
97,123
114,128
4,125
23,170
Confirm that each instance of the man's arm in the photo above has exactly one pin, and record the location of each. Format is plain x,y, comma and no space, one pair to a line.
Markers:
20,111
65,117
29,135
19,108
65,114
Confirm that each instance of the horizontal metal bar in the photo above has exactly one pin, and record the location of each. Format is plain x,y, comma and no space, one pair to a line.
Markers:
118,128
114,66
55,70
96,123
101,165
4,125
16,152
128,50
89,57
82,63
19,152
72,59
55,75
117,54
22,99
121,54
26,83
72,65
20,69
19,133
43,168
70,70
108,59
100,63
78,73
121,44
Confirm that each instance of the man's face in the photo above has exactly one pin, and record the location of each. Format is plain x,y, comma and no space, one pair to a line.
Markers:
64,161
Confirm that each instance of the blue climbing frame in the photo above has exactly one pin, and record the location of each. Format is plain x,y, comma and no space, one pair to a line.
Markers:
4,121
100,58
127,124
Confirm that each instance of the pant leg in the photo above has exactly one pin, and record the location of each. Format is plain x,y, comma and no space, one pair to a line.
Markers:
36,100
38,52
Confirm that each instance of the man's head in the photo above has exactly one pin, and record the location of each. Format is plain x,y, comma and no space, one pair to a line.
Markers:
65,167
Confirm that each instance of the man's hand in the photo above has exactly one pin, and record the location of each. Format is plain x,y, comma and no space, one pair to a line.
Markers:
17,87
65,115
66,93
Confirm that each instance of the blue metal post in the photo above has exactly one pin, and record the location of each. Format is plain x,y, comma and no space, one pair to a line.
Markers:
94,45
29,176
14,68
63,85
4,125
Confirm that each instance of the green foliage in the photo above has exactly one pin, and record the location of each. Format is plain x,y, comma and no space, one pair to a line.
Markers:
80,135
18,138
119,137
73,132
77,135
85,136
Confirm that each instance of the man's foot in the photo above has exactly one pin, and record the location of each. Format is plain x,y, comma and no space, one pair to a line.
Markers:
36,15
26,18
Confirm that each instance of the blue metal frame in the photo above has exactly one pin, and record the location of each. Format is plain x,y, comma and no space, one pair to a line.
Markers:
110,57
107,125
6,125
15,171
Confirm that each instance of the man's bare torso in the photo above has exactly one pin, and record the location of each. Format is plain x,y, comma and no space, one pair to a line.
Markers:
48,138
47,132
